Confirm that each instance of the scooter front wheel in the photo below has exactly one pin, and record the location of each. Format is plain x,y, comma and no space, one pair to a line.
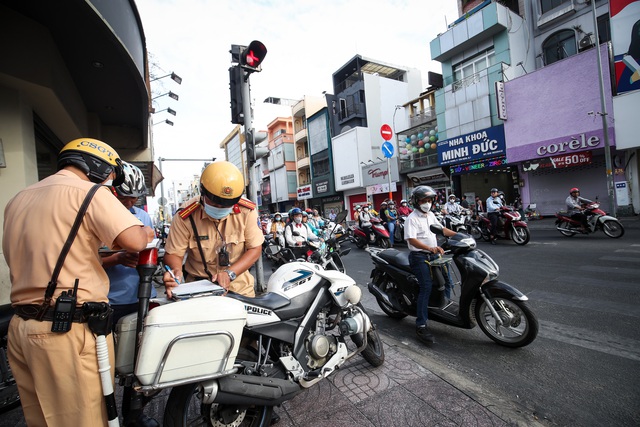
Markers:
613,229
519,324
521,235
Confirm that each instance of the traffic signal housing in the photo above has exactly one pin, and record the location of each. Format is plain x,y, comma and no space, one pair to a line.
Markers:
252,56
236,76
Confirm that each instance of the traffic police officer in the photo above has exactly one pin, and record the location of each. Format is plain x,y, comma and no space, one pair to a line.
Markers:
57,372
227,236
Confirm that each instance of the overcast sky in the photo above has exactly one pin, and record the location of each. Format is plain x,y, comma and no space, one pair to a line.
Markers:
306,41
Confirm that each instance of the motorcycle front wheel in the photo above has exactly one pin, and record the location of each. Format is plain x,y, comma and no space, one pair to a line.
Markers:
520,235
384,243
519,324
374,352
185,408
613,229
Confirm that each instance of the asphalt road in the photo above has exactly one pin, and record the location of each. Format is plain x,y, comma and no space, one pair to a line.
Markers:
584,367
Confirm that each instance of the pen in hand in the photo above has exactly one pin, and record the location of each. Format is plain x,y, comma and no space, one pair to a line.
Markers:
171,273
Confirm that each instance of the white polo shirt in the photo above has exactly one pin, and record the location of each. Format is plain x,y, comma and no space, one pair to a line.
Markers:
417,226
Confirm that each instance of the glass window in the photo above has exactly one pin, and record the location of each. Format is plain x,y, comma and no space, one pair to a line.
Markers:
604,28
559,46
474,65
547,5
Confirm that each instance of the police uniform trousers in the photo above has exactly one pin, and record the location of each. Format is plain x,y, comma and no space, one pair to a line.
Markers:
57,374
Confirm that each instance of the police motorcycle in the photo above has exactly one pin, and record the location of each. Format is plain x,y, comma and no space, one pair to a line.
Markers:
500,310
230,359
9,398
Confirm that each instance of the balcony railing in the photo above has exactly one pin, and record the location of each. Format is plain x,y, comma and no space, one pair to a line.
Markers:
423,117
418,162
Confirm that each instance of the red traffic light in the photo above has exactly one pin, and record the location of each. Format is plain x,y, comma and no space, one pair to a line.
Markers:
252,56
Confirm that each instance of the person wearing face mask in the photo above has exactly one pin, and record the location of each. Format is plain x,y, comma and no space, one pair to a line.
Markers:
57,371
297,233
423,247
277,228
364,221
404,209
218,232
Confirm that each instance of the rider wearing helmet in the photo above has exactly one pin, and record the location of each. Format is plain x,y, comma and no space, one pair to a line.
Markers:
404,209
277,228
423,245
493,205
219,226
37,221
297,233
451,208
575,207
121,266
391,216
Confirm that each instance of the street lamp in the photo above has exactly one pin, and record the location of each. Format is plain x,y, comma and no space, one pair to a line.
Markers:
176,78
171,95
168,110
167,121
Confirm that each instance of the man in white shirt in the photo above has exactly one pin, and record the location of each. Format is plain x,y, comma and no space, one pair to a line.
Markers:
493,205
423,245
451,208
296,233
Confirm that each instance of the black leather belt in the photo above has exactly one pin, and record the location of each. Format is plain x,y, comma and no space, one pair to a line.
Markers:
30,311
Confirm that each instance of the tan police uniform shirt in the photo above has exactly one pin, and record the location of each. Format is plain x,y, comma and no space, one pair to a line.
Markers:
240,231
37,222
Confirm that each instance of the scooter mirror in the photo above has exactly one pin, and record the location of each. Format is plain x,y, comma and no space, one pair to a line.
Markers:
437,229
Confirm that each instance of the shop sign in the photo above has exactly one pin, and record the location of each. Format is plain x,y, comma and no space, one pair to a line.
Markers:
347,179
322,186
558,162
477,166
381,188
574,144
473,146
378,173
304,192
428,177
501,100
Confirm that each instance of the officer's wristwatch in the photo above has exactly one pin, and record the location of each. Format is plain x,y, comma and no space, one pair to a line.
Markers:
232,275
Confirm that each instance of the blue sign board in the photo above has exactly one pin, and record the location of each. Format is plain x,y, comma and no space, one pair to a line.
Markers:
474,146
387,149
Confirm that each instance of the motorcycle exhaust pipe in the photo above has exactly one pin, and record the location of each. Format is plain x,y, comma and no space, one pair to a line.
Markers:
247,390
380,294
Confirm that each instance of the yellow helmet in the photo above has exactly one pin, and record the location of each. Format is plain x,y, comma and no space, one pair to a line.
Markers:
222,183
93,157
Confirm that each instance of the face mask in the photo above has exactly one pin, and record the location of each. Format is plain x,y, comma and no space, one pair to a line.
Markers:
366,209
278,218
216,213
297,220
425,207
404,204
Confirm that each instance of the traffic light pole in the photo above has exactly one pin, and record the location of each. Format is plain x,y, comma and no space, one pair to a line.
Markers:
250,153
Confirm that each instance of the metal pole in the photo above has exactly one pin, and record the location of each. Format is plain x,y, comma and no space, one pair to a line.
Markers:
162,200
389,172
603,103
249,139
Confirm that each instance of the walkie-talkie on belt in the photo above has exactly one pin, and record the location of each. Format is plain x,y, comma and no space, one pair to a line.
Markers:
65,309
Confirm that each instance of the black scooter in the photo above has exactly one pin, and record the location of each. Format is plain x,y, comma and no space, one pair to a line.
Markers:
498,308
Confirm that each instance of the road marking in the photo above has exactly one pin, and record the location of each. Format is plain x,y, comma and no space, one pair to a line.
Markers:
586,338
610,270
603,283
565,300
620,259
628,251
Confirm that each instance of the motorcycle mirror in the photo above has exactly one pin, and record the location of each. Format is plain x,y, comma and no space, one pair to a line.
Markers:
341,217
437,229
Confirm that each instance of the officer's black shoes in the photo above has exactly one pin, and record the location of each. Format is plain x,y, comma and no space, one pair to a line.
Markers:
425,335
275,418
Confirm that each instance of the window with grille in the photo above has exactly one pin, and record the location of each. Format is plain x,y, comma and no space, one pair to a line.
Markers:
559,46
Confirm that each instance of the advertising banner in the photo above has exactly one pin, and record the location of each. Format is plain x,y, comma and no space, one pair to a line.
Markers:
625,38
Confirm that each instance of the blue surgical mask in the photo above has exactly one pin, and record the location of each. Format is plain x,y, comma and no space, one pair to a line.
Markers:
217,213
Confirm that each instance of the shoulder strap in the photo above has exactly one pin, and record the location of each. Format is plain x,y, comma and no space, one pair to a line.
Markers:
197,236
53,283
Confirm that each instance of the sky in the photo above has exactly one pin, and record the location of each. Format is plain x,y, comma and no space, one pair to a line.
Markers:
306,42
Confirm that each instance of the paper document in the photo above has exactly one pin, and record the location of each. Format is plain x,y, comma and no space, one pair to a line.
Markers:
196,289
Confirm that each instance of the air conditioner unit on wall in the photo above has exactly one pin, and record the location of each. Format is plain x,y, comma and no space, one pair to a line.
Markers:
585,43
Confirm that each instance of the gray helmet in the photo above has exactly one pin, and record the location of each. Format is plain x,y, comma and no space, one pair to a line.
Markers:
419,193
494,190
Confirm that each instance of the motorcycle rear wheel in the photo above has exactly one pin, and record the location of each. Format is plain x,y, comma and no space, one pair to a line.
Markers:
389,310
519,328
185,408
565,224
521,235
374,353
613,229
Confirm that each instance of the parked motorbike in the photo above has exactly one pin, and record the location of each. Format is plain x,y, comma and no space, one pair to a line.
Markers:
458,221
257,352
500,310
378,236
9,397
510,226
596,218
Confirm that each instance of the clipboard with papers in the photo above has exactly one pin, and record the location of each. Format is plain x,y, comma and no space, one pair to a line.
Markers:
195,289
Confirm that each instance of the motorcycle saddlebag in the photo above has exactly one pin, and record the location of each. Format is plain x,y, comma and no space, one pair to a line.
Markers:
198,328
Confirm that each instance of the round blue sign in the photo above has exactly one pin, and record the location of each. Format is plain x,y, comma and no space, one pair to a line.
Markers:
387,149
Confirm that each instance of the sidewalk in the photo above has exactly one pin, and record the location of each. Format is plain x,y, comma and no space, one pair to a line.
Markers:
401,392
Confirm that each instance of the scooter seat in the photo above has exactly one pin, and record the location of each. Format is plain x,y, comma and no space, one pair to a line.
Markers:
270,300
396,258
